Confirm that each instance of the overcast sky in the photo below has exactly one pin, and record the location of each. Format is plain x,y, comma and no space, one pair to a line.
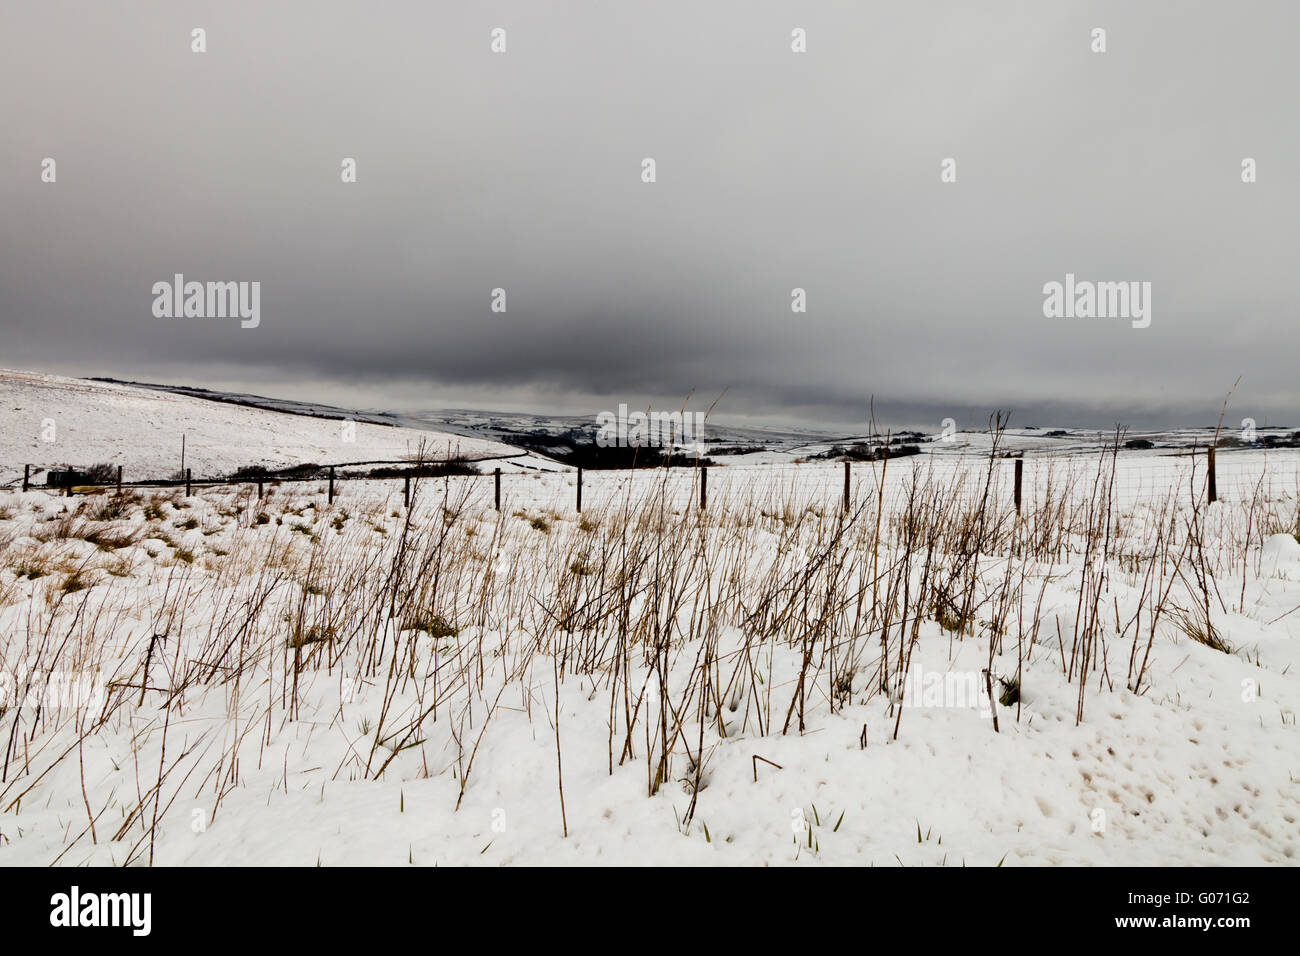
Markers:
775,170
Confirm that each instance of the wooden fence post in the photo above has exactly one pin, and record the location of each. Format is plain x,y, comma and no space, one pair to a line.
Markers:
259,489
1213,479
187,482
497,477
993,701
579,491
406,491
846,486
704,486
119,479
1020,471
331,494
27,477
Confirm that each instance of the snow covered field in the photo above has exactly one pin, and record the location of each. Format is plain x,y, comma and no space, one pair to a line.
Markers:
226,680
770,680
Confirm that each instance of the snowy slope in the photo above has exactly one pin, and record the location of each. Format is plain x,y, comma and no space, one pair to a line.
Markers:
48,420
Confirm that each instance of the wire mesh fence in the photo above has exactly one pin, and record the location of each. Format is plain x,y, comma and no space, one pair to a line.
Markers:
1123,481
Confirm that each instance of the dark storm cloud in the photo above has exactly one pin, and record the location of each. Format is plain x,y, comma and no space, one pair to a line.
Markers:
775,171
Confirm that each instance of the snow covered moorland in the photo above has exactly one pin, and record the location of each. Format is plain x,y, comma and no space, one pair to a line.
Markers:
50,420
772,679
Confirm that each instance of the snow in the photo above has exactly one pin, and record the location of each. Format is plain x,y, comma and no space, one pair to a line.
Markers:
386,745
50,421
1280,554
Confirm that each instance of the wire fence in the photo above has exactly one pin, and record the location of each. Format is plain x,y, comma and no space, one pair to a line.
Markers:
1188,478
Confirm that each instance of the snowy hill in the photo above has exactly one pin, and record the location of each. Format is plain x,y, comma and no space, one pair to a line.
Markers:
49,420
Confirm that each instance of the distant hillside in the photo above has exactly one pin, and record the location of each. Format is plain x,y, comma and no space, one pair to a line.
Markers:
48,421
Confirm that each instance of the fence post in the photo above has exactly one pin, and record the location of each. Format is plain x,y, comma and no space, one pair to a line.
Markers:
331,497
993,701
406,491
119,479
1213,479
67,485
187,482
1020,470
579,491
27,477
704,486
259,489
846,485
497,476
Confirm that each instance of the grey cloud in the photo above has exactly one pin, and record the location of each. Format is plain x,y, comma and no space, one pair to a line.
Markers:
776,170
